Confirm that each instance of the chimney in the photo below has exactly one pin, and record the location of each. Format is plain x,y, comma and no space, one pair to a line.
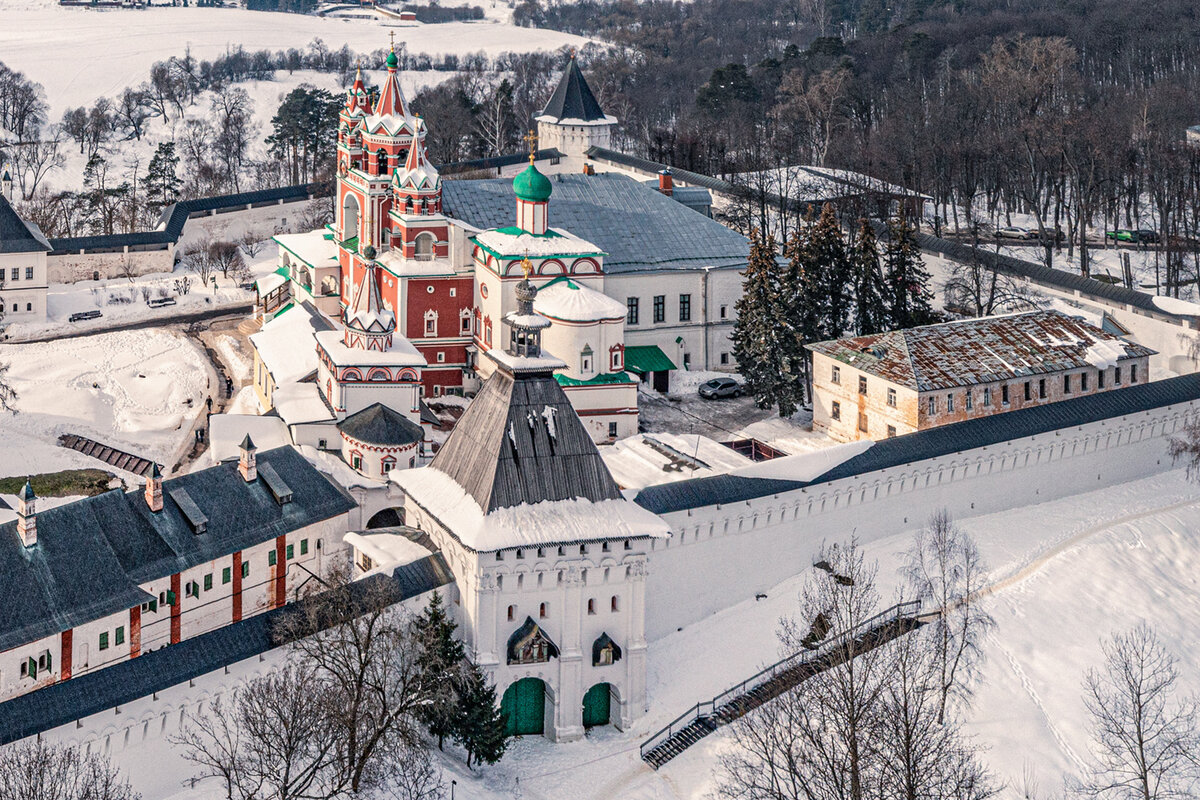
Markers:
589,169
247,464
666,182
6,185
27,516
154,499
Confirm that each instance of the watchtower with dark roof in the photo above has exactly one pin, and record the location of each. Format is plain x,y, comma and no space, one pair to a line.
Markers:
573,120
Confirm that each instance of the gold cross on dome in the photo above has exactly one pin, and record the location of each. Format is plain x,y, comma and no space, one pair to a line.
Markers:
526,266
392,38
531,139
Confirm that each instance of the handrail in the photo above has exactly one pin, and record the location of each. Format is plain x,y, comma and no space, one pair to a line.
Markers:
804,656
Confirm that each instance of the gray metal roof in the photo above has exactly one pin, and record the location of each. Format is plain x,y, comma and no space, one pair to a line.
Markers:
932,443
637,227
92,554
520,441
573,98
378,424
17,235
93,692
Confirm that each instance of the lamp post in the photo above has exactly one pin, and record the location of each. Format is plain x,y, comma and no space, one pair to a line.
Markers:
453,783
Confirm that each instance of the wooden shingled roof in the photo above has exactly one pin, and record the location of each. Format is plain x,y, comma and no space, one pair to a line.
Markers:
520,441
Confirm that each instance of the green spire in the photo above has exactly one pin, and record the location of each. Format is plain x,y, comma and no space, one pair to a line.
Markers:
532,185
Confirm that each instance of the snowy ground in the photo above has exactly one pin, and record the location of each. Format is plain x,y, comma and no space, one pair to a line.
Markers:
1065,573
130,389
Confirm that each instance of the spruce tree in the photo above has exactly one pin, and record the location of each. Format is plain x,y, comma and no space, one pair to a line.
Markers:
908,282
478,724
870,288
761,333
808,310
162,181
442,663
826,258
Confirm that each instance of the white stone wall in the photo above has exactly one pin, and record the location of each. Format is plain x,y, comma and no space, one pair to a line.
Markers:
719,556
84,266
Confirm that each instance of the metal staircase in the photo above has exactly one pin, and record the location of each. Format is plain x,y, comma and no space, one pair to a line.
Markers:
704,718
109,455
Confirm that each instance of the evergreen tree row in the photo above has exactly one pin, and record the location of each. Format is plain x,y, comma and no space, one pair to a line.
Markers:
822,287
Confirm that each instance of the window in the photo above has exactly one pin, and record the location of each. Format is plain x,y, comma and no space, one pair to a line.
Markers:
16,276
836,410
612,430
271,558
891,398
1100,379
208,582
1083,382
660,308
245,569
591,606
724,358
891,431
1042,389
1066,384
987,395
119,637
424,247
1133,373
585,359
1028,390
29,306
431,323
685,308
171,598
932,406
543,611
949,404
631,318
862,384
724,312
835,374
226,575
512,612
465,323
441,358
970,401
1116,376
356,462
104,641
291,552
29,273
862,422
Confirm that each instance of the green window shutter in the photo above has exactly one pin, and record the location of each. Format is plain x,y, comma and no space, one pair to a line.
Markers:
271,559
104,641
154,606
245,569
291,551
120,637
170,598
225,575
304,547
208,582
33,668
49,661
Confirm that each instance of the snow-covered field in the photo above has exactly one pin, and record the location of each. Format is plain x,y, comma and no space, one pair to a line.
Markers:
74,52
130,389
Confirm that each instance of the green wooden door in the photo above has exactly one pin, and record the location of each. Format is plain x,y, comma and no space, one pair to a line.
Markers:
596,705
524,707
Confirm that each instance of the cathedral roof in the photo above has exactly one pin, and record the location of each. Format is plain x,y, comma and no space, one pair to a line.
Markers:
418,173
532,185
391,98
566,299
573,100
379,425
368,313
17,235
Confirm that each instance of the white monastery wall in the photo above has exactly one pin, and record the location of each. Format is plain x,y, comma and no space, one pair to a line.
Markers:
265,222
720,555
85,266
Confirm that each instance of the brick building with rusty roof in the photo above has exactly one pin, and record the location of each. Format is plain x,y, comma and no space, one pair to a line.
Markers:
897,382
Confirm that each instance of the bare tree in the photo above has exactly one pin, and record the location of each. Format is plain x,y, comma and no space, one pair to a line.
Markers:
213,742
410,774
32,161
252,242
197,259
1145,736
37,770
1187,446
228,259
946,573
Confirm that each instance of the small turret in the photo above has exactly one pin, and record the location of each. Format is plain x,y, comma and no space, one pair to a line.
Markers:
248,462
6,185
533,190
27,515
153,493
525,324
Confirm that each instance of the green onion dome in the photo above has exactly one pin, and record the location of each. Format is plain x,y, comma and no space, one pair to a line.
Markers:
532,185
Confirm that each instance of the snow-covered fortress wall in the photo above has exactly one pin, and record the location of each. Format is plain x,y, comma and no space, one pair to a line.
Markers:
722,554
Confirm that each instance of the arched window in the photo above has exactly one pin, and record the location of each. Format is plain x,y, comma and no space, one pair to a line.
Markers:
543,611
408,205
423,247
512,612
614,603
585,359
350,217
381,162
592,606
388,465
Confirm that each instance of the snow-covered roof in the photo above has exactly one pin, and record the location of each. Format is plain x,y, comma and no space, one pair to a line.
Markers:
649,459
418,173
571,301
546,523
283,343
367,312
1173,305
226,431
395,262
516,242
297,403
400,354
803,183
269,283
315,248
543,363
386,550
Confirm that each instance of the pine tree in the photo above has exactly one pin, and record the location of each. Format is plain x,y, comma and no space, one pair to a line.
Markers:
479,726
825,256
162,180
762,341
442,659
807,308
870,288
908,282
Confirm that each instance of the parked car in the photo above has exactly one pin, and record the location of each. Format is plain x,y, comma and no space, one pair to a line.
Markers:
1149,237
1015,232
720,387
1122,235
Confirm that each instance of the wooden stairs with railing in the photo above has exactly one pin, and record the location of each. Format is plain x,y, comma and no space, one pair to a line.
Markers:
109,455
704,718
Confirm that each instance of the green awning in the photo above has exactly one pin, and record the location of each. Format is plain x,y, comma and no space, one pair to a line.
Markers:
602,378
645,358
